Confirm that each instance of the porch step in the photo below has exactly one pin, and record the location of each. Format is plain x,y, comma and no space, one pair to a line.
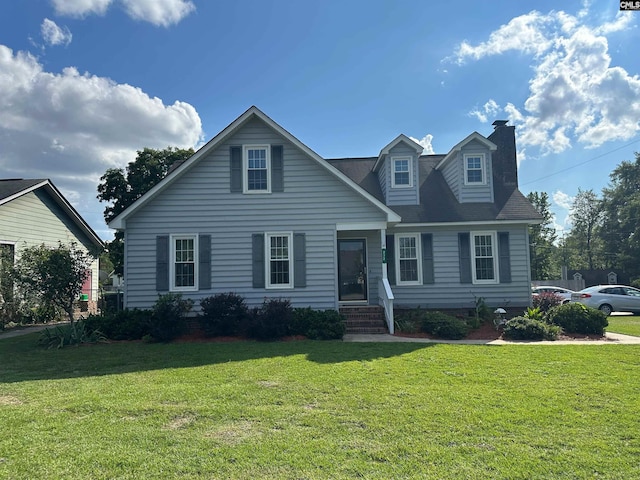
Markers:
366,319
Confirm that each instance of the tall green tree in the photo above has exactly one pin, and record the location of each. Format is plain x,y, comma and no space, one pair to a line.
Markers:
542,239
584,240
621,224
119,188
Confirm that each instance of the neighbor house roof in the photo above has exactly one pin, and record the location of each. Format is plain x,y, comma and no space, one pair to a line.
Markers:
253,112
10,189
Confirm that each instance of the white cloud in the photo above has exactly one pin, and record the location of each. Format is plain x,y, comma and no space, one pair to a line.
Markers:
426,144
80,8
575,94
563,200
53,34
158,12
79,125
489,109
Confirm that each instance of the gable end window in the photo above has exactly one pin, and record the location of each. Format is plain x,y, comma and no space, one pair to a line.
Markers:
484,257
474,169
184,262
402,175
256,167
408,259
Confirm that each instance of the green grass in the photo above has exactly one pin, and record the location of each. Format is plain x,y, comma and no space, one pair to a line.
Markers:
316,410
626,324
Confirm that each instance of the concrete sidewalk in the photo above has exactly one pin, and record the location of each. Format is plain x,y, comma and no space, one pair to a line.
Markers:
611,339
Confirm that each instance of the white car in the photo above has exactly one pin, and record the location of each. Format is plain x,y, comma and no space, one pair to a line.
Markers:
563,293
610,298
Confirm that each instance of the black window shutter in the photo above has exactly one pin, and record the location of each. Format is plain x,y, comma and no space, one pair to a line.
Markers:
391,260
277,169
300,260
235,168
504,258
258,260
464,253
427,258
204,262
162,263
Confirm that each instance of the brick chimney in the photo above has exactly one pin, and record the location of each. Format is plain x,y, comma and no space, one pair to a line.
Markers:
505,167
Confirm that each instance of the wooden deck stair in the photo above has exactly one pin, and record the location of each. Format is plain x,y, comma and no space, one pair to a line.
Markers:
365,319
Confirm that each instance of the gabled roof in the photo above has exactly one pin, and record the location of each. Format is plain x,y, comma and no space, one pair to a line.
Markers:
474,136
11,189
253,112
399,139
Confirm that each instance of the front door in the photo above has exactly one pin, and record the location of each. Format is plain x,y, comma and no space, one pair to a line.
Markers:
352,270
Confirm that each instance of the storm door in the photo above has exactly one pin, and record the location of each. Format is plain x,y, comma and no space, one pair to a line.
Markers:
352,270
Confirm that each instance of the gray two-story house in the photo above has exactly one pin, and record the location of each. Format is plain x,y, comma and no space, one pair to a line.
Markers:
258,213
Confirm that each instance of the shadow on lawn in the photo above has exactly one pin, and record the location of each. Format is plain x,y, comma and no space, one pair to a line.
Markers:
22,360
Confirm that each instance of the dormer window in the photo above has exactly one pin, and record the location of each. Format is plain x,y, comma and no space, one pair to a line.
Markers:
474,171
402,174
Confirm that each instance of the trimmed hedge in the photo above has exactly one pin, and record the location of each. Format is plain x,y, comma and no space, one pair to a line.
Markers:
578,318
524,328
444,326
224,314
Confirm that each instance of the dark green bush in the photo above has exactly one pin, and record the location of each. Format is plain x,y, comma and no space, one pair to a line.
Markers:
223,314
523,328
443,326
317,324
123,325
578,318
271,320
546,301
168,317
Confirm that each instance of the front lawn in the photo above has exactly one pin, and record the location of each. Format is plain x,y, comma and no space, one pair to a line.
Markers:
626,324
316,410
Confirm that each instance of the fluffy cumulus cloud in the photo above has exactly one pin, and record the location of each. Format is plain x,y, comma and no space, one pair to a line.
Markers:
575,93
79,125
158,12
426,144
53,34
487,111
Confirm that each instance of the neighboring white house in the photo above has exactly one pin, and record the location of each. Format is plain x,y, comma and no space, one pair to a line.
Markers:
257,212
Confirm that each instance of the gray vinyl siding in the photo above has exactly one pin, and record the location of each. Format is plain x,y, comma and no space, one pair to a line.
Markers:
402,195
448,292
200,202
453,173
35,219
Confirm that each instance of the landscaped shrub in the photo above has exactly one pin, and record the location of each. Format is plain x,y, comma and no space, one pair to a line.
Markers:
271,320
123,325
223,314
578,318
69,334
523,328
317,324
546,301
443,326
168,317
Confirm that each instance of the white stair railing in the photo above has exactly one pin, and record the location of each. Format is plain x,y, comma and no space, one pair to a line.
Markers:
385,297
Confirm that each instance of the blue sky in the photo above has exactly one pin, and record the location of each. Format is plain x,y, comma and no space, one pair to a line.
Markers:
86,83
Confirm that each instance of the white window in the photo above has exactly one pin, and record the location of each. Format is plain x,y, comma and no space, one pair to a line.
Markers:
279,257
256,161
402,172
184,262
474,171
408,264
483,252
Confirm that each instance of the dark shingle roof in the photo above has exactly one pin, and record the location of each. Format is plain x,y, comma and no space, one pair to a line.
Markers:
437,202
10,187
